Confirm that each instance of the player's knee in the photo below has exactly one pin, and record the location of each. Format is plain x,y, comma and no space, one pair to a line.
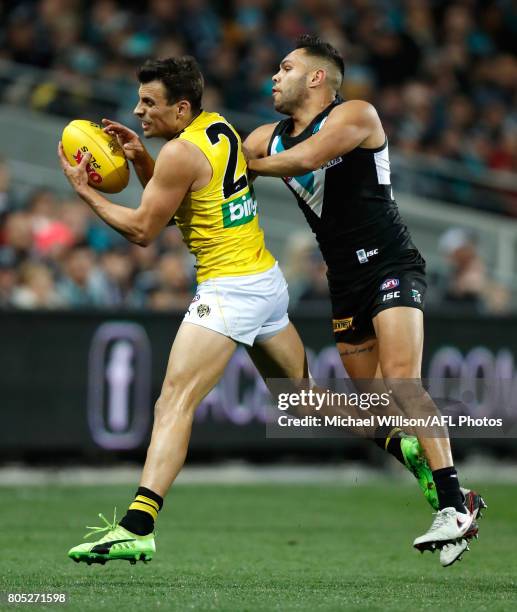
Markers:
399,367
407,391
175,400
165,411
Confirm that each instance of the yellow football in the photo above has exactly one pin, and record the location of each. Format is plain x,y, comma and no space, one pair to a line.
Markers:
108,169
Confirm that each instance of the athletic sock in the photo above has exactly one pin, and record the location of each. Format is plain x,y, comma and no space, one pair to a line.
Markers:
142,512
448,489
388,438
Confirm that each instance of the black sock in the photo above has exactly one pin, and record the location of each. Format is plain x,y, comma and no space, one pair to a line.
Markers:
142,512
388,438
448,489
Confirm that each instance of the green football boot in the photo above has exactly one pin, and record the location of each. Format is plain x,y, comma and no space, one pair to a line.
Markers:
416,463
118,543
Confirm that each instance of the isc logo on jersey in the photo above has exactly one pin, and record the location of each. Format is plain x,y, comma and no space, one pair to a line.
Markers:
240,210
392,295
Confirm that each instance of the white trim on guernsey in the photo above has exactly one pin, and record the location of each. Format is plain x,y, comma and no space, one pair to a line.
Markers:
382,166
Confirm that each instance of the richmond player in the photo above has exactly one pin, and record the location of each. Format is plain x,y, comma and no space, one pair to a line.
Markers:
199,179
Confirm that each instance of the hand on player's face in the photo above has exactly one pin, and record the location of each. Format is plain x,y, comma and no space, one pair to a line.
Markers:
127,139
76,175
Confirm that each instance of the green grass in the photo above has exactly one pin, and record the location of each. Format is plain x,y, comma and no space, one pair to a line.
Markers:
260,548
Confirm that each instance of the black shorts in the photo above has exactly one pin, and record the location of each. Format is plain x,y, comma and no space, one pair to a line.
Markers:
353,310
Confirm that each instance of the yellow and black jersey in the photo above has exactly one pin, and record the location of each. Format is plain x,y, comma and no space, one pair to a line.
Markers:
219,222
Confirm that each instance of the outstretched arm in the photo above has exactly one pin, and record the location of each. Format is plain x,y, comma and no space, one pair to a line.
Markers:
174,173
347,126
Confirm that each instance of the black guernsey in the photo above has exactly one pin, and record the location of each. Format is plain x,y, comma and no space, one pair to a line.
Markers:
349,206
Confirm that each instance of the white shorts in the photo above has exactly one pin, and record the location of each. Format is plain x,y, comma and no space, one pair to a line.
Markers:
245,308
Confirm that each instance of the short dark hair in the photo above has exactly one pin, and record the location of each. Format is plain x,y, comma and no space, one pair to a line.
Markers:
180,76
316,47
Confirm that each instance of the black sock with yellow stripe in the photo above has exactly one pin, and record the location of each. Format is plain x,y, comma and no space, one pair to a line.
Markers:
142,512
388,438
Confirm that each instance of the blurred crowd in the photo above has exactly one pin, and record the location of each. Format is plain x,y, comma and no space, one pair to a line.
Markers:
56,254
468,285
442,73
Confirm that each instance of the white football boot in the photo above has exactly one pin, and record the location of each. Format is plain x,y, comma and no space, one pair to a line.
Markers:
452,552
448,526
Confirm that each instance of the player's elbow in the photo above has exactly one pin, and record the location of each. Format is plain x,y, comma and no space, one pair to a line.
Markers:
142,241
308,163
141,229
141,236
312,160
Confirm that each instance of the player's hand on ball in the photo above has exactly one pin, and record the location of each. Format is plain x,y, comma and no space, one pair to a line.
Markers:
76,175
127,139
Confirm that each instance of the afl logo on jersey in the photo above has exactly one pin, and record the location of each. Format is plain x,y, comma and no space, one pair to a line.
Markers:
391,283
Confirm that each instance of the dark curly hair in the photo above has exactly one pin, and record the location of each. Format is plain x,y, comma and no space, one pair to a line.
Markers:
180,76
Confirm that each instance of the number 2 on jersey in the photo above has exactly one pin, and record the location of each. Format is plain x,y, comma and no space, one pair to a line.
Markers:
230,185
